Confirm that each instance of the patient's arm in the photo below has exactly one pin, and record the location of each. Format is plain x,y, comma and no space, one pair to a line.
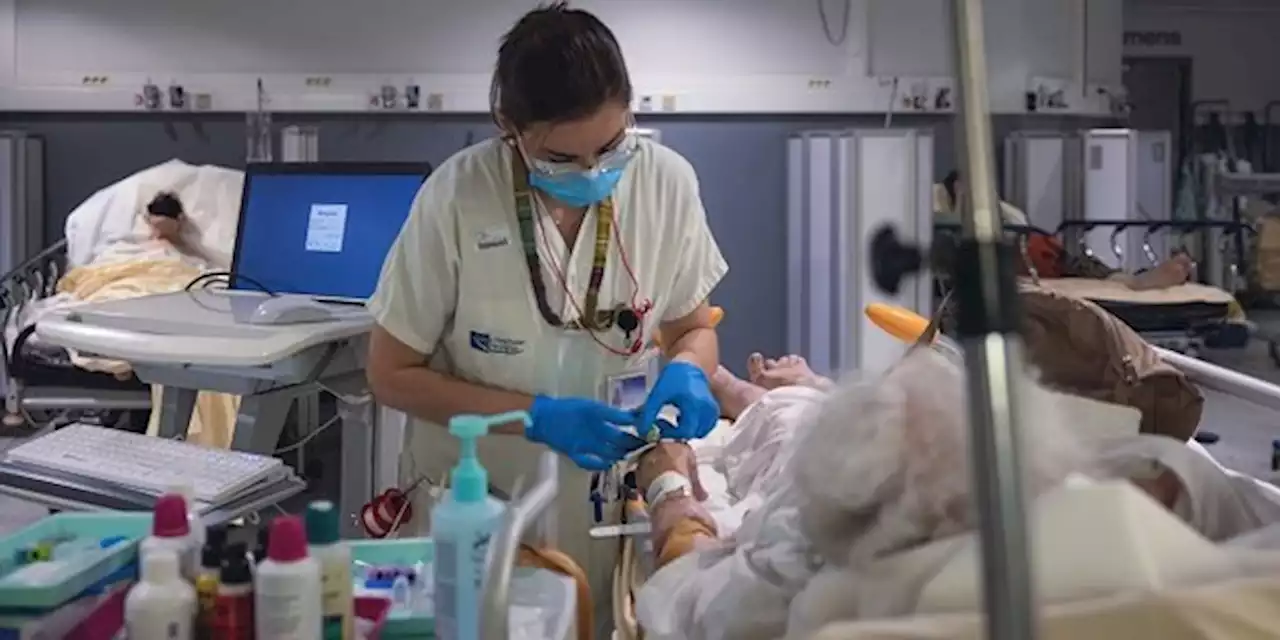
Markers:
678,518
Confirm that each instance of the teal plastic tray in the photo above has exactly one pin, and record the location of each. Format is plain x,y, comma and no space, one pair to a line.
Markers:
404,551
64,586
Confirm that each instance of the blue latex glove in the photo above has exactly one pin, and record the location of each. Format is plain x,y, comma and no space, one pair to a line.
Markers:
586,431
685,387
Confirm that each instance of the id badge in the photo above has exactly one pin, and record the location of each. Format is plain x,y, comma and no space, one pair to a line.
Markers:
627,391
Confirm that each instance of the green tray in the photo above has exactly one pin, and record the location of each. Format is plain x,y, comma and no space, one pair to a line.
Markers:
403,551
66,582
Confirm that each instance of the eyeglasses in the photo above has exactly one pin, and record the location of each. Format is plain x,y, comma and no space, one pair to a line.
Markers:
613,159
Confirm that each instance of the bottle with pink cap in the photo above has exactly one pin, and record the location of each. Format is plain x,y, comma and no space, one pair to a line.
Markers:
286,586
171,531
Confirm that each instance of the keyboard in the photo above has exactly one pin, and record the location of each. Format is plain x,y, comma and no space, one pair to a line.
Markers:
147,464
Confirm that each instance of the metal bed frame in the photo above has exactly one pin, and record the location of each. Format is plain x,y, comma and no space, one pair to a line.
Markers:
1207,328
103,399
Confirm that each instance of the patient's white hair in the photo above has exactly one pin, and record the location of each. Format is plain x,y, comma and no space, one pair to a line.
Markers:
885,465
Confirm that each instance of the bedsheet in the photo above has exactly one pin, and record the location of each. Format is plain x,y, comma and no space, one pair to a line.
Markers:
752,583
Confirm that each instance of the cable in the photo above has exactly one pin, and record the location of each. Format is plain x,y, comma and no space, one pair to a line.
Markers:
309,437
834,39
209,277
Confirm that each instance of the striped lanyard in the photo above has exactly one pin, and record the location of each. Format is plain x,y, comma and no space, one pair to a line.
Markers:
592,318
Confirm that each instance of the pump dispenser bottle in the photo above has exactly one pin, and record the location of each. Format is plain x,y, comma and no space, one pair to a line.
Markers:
461,525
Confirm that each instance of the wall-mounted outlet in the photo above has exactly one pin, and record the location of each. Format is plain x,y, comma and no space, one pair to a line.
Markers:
177,97
389,96
94,81
317,82
819,83
152,97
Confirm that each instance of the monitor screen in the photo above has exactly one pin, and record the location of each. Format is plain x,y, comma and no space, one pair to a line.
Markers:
321,231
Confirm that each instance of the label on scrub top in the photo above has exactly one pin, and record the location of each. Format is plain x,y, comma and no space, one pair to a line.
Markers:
326,227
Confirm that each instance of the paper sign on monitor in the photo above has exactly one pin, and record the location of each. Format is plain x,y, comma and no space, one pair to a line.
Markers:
326,227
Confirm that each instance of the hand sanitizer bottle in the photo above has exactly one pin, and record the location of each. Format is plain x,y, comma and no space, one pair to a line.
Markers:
461,526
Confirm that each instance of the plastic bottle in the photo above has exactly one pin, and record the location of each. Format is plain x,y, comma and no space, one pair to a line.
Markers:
233,608
207,581
286,586
334,559
188,493
461,527
171,530
162,606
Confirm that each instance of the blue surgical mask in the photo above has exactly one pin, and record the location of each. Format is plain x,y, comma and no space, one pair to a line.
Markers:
577,189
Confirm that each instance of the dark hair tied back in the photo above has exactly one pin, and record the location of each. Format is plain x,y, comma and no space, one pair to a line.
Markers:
556,65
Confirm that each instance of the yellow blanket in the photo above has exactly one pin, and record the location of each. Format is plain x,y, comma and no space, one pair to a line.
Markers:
214,419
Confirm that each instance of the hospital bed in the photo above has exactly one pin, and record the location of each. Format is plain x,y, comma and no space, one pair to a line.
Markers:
1184,318
635,563
40,380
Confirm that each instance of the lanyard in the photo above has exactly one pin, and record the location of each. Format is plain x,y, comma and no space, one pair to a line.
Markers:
592,319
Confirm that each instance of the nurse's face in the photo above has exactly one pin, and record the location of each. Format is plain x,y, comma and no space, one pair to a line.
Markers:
583,143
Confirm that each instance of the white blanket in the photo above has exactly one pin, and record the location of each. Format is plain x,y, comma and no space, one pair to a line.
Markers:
746,586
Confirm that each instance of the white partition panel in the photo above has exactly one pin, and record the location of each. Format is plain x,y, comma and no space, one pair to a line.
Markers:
1128,176
844,186
1039,176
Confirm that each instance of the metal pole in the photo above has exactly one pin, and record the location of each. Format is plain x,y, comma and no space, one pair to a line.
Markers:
987,325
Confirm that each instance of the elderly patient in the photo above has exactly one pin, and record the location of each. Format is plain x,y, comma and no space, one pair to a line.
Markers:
830,479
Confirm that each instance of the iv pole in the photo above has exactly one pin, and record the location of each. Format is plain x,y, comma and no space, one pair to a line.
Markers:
987,325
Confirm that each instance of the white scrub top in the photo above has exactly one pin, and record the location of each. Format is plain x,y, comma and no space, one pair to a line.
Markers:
456,286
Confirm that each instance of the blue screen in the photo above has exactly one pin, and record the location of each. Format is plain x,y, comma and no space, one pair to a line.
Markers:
320,235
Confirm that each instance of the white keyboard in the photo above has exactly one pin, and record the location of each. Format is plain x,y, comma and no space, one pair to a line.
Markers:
147,464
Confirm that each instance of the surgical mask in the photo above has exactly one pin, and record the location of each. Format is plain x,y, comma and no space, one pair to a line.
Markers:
577,187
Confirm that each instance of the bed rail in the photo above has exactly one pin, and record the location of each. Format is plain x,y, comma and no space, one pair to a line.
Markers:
35,279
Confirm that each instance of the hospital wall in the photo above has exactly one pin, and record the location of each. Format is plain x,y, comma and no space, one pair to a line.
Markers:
1232,45
741,162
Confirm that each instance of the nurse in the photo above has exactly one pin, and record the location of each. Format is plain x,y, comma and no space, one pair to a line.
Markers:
534,272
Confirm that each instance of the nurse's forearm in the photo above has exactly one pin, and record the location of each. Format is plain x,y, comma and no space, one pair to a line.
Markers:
437,397
698,346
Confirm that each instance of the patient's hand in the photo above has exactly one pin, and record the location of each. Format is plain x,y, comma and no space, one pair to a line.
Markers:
787,371
1170,273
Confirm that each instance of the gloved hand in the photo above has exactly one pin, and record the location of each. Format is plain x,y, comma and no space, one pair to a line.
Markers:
586,431
685,387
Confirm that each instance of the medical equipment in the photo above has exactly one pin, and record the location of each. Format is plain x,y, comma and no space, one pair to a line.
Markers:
21,234
1124,175
988,332
150,465
841,186
290,309
321,229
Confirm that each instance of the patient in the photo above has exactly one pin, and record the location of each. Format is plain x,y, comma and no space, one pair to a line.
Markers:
1052,260
168,222
840,477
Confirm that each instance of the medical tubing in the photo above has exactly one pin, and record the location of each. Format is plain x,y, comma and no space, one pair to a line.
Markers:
988,324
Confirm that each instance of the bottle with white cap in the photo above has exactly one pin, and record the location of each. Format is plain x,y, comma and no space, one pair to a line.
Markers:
171,530
161,606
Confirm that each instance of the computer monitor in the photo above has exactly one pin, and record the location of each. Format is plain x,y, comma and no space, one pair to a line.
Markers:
321,229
